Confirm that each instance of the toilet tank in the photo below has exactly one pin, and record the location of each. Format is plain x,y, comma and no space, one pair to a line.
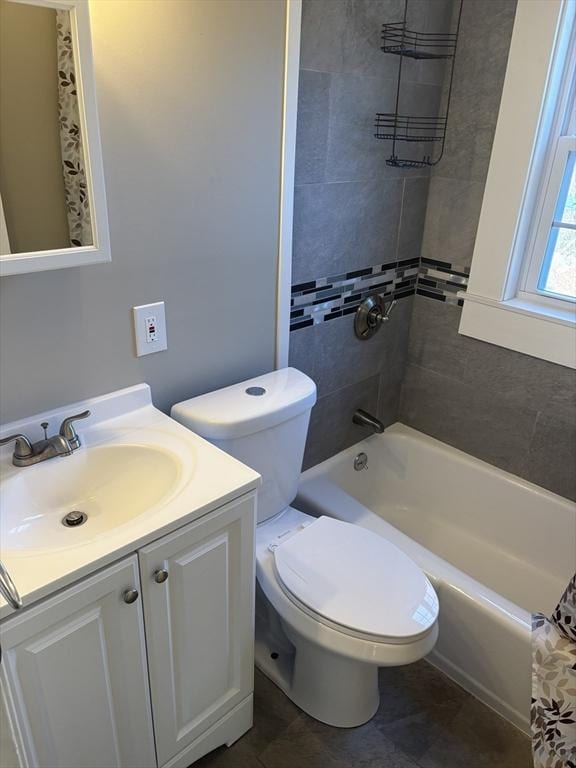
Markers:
262,422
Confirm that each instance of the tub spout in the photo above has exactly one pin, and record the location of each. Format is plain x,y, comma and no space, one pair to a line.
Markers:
365,419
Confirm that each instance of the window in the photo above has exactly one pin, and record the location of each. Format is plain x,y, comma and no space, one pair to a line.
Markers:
558,270
550,263
522,289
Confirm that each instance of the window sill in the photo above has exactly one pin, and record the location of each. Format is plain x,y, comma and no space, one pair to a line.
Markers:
522,326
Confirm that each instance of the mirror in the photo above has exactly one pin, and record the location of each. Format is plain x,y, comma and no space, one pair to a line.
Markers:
52,200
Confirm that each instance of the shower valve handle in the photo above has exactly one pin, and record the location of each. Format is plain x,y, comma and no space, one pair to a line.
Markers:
371,315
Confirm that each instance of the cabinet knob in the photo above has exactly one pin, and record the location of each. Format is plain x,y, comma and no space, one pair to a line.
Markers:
160,575
130,595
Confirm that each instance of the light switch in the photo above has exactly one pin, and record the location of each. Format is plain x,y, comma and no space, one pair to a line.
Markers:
150,328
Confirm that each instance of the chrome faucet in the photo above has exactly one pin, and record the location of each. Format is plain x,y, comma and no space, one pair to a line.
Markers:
365,419
63,444
8,588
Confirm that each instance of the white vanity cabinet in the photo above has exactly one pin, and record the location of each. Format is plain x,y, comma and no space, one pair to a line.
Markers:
199,624
127,659
75,678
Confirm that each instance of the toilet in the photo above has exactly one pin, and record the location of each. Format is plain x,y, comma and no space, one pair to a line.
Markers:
334,601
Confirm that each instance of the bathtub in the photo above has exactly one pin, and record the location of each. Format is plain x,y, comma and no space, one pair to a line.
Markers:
496,548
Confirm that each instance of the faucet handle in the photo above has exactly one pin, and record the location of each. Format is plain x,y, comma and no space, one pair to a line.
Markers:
371,315
23,447
388,310
67,429
8,588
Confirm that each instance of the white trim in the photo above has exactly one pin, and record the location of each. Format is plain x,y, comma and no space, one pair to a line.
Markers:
506,190
289,115
516,328
555,146
4,239
492,312
18,263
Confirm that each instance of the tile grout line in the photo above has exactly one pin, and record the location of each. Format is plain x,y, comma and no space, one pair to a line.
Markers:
528,451
384,180
368,76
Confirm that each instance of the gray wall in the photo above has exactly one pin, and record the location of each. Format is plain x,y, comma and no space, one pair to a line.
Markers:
509,409
190,109
351,210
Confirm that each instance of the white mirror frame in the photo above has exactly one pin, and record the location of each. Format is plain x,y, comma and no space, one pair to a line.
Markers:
19,263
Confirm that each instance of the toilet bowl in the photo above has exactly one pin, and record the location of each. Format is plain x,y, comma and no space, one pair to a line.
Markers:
348,601
334,601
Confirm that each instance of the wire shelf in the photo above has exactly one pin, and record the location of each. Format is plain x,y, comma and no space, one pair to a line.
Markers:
396,38
390,125
414,130
398,162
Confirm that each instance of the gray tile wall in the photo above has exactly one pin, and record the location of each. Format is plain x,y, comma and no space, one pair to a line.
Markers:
514,411
352,211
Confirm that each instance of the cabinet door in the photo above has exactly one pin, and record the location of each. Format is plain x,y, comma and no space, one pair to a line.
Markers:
199,623
75,679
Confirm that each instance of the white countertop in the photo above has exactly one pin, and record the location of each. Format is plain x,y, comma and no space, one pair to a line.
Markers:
208,479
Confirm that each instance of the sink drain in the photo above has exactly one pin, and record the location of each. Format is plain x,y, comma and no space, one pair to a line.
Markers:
72,519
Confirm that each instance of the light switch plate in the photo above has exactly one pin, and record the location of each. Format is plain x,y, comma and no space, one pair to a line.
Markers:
150,328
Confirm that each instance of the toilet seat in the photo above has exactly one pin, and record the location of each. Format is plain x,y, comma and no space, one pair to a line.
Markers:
305,628
354,581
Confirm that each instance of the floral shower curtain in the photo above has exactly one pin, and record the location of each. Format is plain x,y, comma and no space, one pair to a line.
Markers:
77,204
554,684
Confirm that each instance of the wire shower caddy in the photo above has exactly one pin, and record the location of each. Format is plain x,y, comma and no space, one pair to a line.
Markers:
399,128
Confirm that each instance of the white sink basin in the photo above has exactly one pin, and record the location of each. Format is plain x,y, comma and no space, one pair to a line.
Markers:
111,484
137,475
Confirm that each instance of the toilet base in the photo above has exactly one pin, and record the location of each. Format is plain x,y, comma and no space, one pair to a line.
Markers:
331,688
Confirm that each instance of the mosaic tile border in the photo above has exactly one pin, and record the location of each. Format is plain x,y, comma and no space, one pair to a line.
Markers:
338,295
442,281
327,298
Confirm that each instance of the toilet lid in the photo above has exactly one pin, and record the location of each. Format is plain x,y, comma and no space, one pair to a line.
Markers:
356,579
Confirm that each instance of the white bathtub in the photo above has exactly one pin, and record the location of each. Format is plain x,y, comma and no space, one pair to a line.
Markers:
495,547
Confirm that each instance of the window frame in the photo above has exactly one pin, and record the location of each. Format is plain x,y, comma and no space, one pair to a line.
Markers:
540,253
498,308
559,144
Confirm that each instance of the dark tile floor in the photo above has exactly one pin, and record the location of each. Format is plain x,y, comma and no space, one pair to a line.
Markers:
424,721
